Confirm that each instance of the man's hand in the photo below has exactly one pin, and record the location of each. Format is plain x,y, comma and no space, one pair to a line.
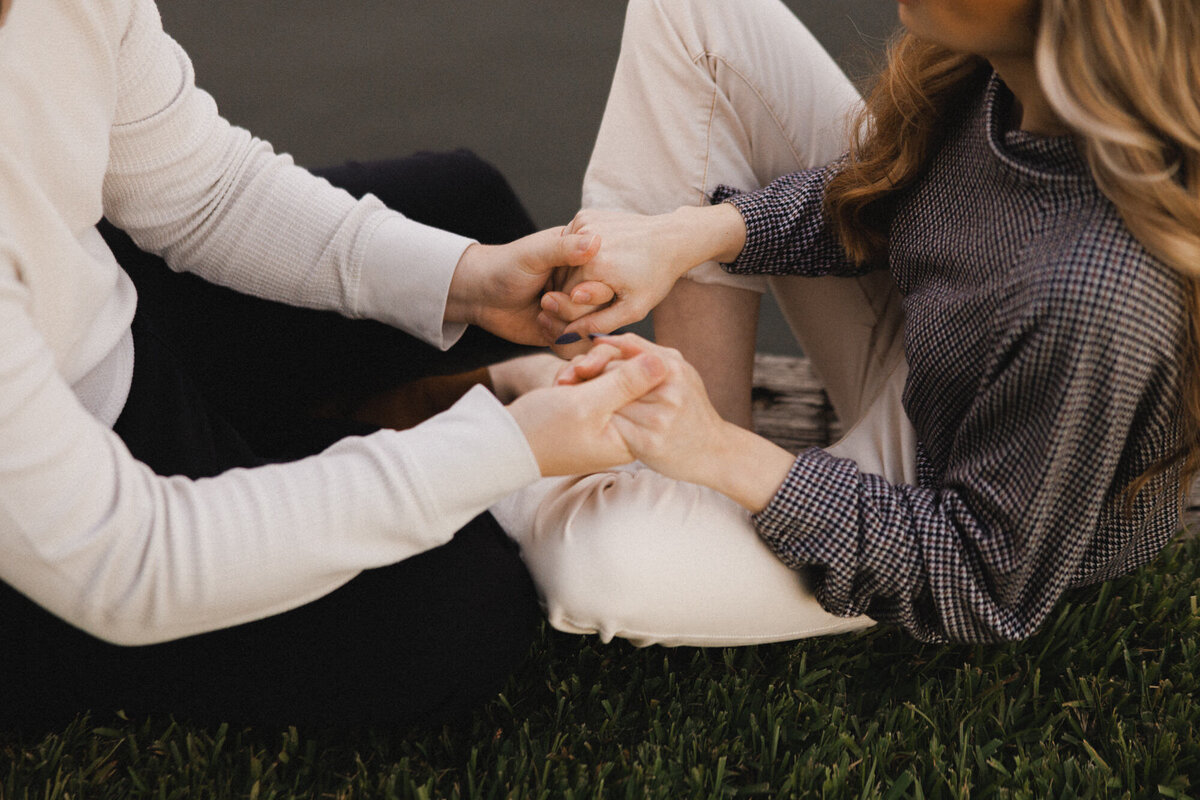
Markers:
499,287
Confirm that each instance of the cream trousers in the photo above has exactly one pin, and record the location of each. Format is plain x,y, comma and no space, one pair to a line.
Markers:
709,92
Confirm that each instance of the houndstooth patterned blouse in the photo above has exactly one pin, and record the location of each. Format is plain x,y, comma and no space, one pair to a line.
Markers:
1044,347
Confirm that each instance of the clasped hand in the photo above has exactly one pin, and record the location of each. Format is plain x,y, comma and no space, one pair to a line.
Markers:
632,272
498,287
640,260
604,270
625,399
671,428
668,423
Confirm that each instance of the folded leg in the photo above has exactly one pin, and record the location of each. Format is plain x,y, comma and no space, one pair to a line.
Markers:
632,554
704,94
710,93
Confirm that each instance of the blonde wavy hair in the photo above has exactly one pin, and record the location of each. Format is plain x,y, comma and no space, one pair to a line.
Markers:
1125,78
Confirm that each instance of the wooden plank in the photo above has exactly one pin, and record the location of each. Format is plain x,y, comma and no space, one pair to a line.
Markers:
790,407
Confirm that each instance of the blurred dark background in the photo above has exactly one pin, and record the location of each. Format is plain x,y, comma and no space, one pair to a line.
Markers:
520,82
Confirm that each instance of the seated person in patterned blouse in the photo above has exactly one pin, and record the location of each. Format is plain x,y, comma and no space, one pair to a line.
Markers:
997,284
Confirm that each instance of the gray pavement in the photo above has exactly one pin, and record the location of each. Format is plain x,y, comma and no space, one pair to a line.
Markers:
521,82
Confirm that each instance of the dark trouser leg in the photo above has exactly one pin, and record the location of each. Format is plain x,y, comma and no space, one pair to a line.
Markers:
427,638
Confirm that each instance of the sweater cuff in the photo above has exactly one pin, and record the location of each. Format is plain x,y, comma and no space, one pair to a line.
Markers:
405,279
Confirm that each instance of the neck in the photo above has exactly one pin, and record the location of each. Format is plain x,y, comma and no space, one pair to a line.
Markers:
1033,109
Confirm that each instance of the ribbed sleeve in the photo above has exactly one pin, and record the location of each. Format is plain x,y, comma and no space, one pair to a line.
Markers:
213,200
87,531
97,538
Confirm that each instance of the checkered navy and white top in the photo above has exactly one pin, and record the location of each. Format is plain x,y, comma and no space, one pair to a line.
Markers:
1044,346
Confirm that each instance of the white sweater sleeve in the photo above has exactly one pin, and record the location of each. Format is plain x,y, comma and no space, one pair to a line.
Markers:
213,200
94,536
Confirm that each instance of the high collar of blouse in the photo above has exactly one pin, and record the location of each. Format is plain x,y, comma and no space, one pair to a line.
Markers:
1042,158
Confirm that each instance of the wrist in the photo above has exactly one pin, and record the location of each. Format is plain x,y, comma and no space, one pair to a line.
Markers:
747,468
524,413
462,301
710,233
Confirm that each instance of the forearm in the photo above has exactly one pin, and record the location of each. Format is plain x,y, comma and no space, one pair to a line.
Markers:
98,539
213,200
746,467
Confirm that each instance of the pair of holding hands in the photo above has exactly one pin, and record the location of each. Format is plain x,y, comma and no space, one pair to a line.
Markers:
628,399
632,271
621,398
625,399
604,270
577,279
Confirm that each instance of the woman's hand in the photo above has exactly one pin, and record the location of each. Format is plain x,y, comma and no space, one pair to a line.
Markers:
570,428
638,264
675,430
639,261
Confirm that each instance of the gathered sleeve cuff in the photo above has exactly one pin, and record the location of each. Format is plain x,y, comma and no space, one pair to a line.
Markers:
787,231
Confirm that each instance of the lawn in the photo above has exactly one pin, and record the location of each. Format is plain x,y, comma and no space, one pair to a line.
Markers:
1101,703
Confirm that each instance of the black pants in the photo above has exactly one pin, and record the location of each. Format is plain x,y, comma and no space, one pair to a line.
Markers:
224,380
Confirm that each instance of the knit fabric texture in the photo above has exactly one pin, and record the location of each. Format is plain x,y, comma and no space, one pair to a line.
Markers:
1045,347
100,116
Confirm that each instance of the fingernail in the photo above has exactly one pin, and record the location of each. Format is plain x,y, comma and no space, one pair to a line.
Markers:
587,244
568,338
582,297
599,335
550,304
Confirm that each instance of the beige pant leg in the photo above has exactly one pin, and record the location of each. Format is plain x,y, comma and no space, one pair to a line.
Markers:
632,554
711,92
852,331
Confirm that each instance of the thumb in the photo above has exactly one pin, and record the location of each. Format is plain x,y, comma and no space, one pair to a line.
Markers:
592,293
549,250
624,382
577,248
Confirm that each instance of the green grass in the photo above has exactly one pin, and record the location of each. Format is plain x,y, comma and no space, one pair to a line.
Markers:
1101,703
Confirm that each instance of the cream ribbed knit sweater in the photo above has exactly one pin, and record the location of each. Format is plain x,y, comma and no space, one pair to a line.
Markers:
99,116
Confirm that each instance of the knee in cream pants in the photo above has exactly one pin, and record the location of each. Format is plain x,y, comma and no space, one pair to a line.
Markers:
707,93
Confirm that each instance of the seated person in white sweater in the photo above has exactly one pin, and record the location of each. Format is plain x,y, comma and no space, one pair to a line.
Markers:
184,524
